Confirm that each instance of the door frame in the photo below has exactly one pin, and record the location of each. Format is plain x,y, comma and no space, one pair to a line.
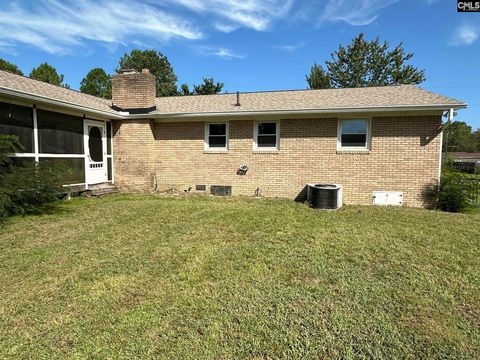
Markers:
103,126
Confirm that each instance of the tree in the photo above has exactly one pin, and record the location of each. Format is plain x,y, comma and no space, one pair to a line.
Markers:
47,73
318,78
458,137
158,65
184,90
364,63
8,66
24,188
97,83
476,137
209,87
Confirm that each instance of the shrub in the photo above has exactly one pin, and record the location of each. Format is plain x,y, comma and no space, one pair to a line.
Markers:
23,188
452,194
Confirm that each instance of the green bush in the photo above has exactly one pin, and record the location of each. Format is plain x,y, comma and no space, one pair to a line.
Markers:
24,187
452,194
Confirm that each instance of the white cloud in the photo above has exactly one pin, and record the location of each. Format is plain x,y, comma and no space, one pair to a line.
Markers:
63,26
57,27
225,28
253,14
7,48
290,47
222,52
465,35
354,12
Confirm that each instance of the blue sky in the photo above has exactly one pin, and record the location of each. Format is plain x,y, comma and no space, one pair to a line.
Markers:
249,44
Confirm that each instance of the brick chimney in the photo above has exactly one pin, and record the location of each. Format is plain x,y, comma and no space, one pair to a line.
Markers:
133,91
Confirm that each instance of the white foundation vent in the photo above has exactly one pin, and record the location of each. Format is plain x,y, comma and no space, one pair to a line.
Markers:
388,198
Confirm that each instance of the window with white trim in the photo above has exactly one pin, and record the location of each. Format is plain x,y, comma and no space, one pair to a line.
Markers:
216,136
353,134
266,135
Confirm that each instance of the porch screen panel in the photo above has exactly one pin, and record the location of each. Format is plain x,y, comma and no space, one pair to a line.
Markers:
109,138
23,161
71,170
59,133
109,169
18,162
17,120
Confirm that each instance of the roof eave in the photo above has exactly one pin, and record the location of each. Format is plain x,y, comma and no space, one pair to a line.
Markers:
65,104
441,107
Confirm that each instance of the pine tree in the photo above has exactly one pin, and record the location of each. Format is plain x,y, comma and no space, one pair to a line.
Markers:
47,73
8,66
97,83
366,63
158,65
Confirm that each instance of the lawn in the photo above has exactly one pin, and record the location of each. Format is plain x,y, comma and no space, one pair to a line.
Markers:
203,277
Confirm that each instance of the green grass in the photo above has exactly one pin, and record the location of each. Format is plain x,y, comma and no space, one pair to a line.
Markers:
202,277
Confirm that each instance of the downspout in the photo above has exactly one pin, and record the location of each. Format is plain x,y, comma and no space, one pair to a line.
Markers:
450,116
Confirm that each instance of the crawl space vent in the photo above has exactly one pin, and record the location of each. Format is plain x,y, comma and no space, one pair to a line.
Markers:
221,190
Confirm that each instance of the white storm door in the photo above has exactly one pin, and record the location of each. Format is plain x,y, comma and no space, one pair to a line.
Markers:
95,151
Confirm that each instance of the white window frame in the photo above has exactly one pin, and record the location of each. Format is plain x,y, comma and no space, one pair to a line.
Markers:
353,148
255,136
207,135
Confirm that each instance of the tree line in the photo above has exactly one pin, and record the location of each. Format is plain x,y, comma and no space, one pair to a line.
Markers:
99,83
460,137
361,63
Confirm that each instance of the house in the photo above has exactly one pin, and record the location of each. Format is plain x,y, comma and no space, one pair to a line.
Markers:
465,161
274,143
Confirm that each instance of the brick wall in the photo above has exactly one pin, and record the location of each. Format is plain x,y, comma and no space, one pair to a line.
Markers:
404,157
134,90
134,157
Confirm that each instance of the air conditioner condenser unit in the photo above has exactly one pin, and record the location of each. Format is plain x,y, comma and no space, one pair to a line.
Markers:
325,196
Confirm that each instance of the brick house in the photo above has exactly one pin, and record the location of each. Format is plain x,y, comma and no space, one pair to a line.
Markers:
366,139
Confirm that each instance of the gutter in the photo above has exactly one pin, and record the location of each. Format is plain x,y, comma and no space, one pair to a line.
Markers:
451,115
441,107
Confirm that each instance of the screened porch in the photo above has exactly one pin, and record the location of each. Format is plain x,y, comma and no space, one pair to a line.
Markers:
78,144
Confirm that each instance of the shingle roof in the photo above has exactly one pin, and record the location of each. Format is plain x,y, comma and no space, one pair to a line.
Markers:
464,155
34,87
290,100
296,100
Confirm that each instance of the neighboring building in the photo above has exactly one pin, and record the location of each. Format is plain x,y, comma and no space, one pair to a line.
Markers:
366,139
467,162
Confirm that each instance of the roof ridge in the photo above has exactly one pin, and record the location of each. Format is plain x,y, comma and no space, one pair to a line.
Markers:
54,85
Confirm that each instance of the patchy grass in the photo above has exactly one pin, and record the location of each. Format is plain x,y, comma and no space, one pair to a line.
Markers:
194,277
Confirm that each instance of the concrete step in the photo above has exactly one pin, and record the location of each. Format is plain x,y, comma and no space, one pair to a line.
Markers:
101,189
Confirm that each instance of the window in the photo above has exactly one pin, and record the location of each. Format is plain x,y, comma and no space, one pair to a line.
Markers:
353,134
266,135
216,136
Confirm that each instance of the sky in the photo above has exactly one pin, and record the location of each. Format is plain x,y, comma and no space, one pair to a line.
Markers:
249,45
